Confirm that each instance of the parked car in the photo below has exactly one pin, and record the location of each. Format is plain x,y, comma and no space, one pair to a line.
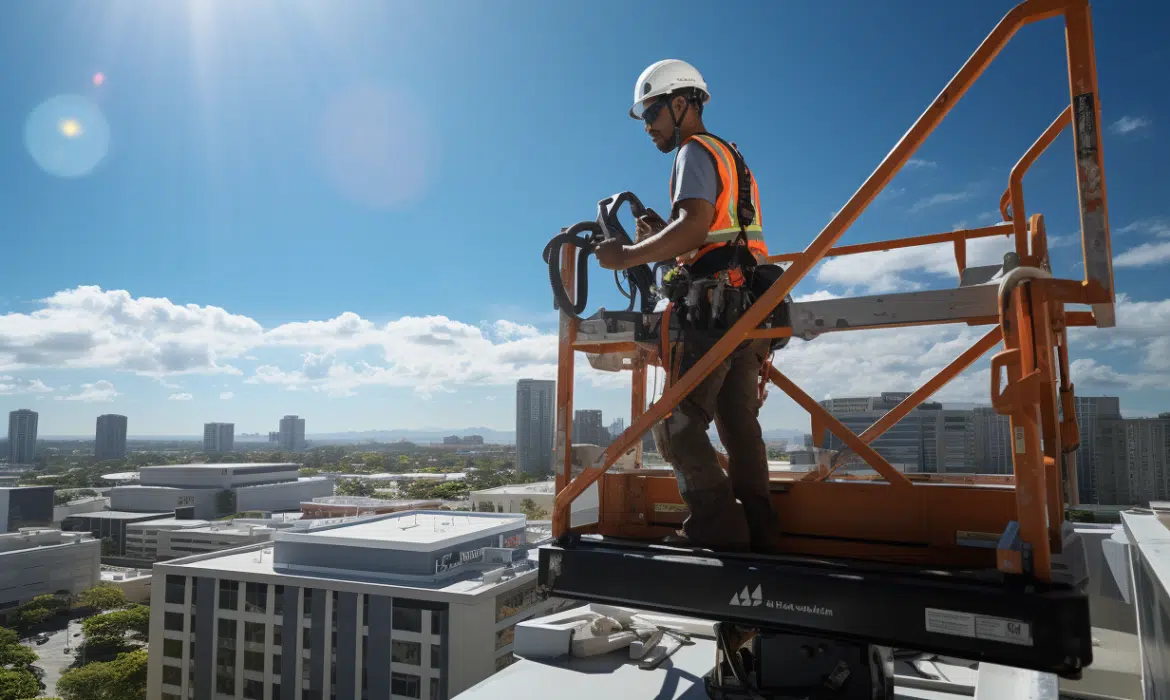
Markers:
41,638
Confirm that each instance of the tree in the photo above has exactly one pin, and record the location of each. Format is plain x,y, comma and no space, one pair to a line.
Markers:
124,678
109,547
115,625
18,684
532,511
104,597
225,502
355,487
13,654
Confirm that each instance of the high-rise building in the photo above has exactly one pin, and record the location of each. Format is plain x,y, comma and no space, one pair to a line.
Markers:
1089,410
993,445
22,436
110,442
617,427
218,437
292,433
587,428
535,418
420,604
1131,460
929,439
806,440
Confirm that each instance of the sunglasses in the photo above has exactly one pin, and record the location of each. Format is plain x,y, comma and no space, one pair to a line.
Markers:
650,114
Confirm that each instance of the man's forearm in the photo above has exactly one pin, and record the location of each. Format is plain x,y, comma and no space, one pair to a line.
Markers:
680,236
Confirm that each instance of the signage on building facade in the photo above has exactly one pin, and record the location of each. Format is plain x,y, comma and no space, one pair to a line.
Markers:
454,560
186,501
512,542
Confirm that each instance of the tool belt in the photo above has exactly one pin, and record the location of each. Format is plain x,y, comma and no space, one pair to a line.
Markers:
706,302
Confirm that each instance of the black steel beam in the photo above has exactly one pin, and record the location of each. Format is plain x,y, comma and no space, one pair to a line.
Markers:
1009,622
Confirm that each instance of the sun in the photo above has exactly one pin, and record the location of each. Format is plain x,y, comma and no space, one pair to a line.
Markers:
70,128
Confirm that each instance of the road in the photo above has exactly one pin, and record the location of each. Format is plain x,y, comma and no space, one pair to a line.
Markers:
53,657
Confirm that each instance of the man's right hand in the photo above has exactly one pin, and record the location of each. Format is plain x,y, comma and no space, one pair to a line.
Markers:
648,224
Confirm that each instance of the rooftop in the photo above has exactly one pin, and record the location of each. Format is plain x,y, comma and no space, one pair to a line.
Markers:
120,515
171,523
120,476
225,465
21,488
257,559
421,530
520,489
374,502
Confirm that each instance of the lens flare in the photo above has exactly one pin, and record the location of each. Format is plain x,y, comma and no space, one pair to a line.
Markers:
70,128
99,78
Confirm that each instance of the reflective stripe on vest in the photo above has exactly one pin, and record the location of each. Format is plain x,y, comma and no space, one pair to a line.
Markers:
725,226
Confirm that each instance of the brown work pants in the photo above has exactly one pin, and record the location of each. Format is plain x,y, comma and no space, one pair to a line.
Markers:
729,396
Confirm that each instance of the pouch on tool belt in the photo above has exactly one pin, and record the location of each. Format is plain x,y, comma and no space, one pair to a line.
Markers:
763,276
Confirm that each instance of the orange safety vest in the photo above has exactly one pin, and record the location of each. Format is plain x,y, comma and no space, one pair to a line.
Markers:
725,227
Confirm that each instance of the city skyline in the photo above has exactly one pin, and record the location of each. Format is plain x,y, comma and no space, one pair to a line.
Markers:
148,317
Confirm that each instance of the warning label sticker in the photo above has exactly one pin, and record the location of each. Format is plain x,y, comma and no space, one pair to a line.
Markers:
963,624
1021,444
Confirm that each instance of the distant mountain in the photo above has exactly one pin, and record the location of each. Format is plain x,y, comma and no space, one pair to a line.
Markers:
425,435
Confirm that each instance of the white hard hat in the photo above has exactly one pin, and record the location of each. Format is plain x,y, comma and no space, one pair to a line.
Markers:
663,78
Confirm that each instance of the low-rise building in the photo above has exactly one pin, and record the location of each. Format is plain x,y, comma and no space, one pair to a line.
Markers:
87,504
420,604
510,499
175,544
142,538
25,506
37,561
108,525
216,490
135,583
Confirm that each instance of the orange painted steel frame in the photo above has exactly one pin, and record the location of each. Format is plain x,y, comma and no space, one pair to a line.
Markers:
917,518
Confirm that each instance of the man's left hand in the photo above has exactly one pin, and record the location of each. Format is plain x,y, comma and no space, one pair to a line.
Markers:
611,254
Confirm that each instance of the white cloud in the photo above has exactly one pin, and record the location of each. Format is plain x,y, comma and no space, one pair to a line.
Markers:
819,295
87,327
180,397
1155,226
226,395
920,163
99,391
20,385
1129,124
1140,326
891,270
887,194
989,217
941,198
1144,255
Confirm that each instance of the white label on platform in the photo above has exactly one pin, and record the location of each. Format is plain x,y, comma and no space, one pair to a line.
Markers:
963,624
1020,444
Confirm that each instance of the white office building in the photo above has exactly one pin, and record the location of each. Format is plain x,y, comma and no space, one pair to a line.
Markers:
168,538
218,437
407,605
216,490
37,561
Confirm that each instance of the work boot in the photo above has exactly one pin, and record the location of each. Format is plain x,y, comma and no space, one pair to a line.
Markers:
764,524
716,521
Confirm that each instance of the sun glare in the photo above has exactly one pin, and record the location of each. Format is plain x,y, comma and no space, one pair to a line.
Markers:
70,128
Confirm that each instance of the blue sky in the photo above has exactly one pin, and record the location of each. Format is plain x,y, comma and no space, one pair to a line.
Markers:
337,209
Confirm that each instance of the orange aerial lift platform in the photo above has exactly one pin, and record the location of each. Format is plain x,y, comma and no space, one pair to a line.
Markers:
974,566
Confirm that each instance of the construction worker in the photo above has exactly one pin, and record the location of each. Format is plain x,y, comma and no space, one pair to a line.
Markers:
714,220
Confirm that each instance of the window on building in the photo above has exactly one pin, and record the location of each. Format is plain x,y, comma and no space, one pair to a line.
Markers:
505,636
406,619
276,662
334,613
253,690
405,684
406,652
278,600
254,632
255,597
519,600
225,683
275,692
436,621
505,661
225,661
173,648
172,675
176,589
170,696
226,629
308,607
435,689
254,661
229,592
173,621
306,638
436,656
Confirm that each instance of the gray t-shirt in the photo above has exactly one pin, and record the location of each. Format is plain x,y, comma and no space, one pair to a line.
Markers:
695,175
